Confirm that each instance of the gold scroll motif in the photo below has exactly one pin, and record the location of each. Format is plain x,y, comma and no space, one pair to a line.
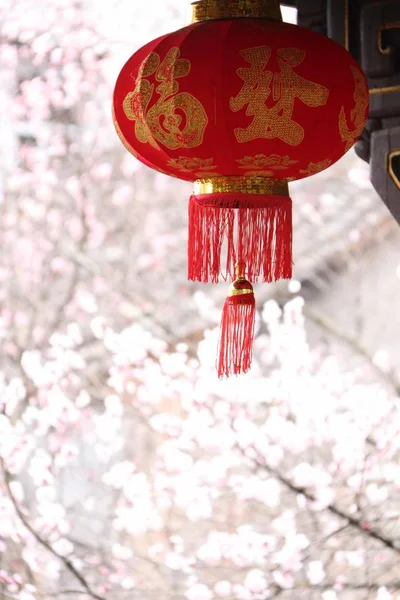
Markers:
189,164
357,115
285,86
314,168
263,165
175,120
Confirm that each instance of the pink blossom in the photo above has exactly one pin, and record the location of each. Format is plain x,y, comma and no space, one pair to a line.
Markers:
284,579
87,302
209,554
271,312
256,582
383,594
155,550
130,165
315,572
382,360
122,196
25,595
242,593
121,552
98,327
174,561
376,494
354,558
223,589
63,547
60,265
83,399
167,424
17,491
294,286
329,595
45,494
128,583
199,592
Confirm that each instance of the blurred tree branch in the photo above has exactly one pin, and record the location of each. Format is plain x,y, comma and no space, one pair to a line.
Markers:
63,559
358,524
324,323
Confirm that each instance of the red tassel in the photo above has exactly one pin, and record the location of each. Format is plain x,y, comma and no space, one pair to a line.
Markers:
252,228
237,330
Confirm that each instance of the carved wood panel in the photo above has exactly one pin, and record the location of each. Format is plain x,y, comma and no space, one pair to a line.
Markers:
370,30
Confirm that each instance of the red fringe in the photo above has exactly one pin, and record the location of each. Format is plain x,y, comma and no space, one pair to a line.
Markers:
236,335
254,229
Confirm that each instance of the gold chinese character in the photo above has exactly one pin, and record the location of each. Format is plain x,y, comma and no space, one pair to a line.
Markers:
135,103
286,86
358,114
175,120
254,93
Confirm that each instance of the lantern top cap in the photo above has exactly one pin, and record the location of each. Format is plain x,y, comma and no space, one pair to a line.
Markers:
205,10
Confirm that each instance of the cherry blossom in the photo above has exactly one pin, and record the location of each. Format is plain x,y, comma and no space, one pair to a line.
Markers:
126,468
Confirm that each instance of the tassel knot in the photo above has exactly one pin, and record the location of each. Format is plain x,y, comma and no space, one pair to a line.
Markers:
237,327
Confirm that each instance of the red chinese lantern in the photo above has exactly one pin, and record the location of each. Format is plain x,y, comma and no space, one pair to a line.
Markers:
240,103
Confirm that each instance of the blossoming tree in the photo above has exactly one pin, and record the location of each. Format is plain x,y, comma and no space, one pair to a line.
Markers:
126,469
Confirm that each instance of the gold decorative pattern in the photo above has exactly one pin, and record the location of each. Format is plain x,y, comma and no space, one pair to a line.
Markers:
234,292
260,164
121,135
163,123
240,286
204,174
205,10
314,168
357,115
243,185
286,87
135,103
390,169
129,147
191,164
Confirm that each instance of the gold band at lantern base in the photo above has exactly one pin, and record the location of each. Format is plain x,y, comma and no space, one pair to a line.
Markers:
242,185
206,10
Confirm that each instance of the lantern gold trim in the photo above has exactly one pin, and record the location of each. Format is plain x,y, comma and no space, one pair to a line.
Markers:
205,10
243,185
